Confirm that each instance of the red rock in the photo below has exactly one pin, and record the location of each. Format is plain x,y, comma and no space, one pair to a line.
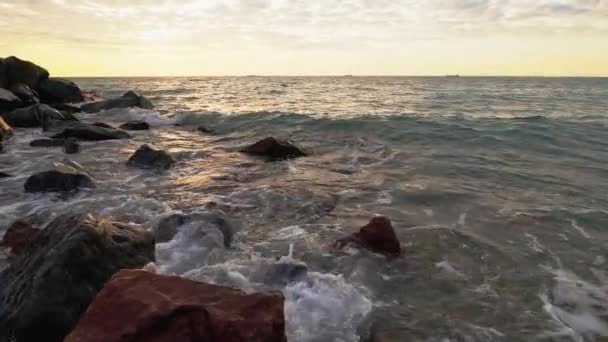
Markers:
19,236
138,306
274,149
378,236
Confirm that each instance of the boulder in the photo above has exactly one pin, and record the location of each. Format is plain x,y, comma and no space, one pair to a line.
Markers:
19,236
3,77
57,181
39,115
378,236
26,72
6,131
59,90
135,126
148,158
3,174
88,132
46,290
138,306
66,108
274,149
47,143
102,124
168,226
129,99
25,93
71,146
205,130
9,101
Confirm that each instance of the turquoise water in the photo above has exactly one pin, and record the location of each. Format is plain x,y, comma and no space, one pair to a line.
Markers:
496,187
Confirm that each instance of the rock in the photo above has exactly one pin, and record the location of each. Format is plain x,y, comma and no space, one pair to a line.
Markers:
88,132
6,131
283,272
46,290
135,126
129,99
56,181
138,306
3,77
149,158
66,108
25,93
59,90
205,130
2,174
26,72
71,146
274,149
166,229
39,115
101,124
9,101
47,142
19,236
378,236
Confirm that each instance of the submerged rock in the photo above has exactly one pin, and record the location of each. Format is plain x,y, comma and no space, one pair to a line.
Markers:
129,99
148,158
56,181
83,131
47,142
3,174
39,115
19,236
25,93
205,130
283,273
71,146
22,71
47,289
378,236
274,149
167,227
138,306
59,90
9,101
135,126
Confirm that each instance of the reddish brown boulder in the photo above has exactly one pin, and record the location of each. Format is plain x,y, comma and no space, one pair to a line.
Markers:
19,236
378,236
138,306
274,149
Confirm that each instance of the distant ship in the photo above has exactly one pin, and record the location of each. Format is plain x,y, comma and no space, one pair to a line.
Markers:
452,76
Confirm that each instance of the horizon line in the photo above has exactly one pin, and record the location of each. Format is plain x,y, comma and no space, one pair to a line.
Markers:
344,76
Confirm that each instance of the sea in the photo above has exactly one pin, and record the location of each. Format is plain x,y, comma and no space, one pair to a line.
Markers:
497,189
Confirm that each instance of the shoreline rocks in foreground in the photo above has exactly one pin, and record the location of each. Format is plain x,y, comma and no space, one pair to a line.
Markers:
19,236
46,290
274,149
378,236
57,181
147,157
138,306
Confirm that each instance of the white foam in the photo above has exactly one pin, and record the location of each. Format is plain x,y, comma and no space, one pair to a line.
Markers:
580,229
153,118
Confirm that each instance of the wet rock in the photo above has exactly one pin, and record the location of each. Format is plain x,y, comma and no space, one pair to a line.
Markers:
47,143
25,93
59,90
274,149
66,108
283,273
57,181
9,101
205,130
138,306
49,287
19,236
167,227
88,132
71,146
39,115
25,72
129,99
378,236
6,131
148,158
3,174
135,126
3,78
104,125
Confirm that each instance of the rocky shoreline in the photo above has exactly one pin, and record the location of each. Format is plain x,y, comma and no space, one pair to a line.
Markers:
82,278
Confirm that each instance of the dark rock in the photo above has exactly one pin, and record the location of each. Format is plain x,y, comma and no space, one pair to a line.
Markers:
9,101
138,306
25,93
168,226
149,158
39,115
378,236
6,131
21,71
283,273
71,146
130,99
56,181
135,126
46,290
88,132
274,149
205,130
66,108
2,174
19,236
59,90
3,76
47,143
101,124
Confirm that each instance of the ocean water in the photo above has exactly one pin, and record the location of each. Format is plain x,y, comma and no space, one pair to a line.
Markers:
496,187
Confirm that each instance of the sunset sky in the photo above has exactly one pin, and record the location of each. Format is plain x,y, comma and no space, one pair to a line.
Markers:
308,37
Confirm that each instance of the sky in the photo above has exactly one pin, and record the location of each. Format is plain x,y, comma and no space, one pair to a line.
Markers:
308,37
